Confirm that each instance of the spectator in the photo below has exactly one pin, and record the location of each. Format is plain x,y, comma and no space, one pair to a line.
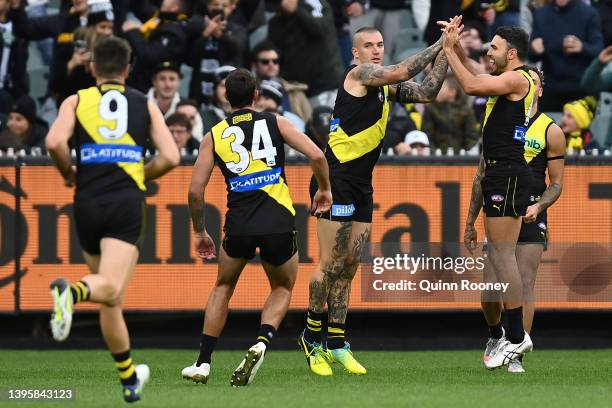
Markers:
219,108
527,10
566,37
505,12
594,79
221,42
317,128
415,143
166,82
604,7
180,127
303,30
38,8
61,28
443,10
161,39
265,65
24,130
189,108
13,58
142,9
342,10
99,25
270,100
577,117
449,121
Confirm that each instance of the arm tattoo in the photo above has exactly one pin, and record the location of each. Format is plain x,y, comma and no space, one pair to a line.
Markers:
476,199
426,92
370,74
552,193
417,62
196,209
373,72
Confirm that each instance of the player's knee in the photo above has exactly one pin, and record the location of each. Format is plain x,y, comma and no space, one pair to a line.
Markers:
285,282
350,266
225,283
114,294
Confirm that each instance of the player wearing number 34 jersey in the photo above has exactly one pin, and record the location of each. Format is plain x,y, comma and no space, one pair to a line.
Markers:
248,147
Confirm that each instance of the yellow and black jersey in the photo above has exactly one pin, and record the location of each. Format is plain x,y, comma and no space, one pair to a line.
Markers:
249,150
536,150
356,133
110,136
503,131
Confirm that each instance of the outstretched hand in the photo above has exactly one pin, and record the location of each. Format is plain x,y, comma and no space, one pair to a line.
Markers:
451,31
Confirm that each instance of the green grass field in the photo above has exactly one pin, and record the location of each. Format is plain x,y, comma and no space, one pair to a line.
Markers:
567,378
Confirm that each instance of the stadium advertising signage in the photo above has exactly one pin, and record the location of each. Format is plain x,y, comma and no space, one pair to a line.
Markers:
413,204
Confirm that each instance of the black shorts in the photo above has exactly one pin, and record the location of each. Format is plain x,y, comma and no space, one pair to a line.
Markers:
506,196
535,232
352,200
124,220
275,249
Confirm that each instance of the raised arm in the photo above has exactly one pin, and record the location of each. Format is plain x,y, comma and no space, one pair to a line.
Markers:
375,75
510,82
406,92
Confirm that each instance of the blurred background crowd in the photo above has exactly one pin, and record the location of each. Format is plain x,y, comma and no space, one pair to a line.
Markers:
298,50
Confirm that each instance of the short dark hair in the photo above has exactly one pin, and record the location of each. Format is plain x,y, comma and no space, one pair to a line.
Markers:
111,56
265,45
240,86
516,38
538,72
180,120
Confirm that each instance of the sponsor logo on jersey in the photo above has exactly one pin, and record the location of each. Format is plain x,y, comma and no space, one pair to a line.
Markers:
92,153
542,226
532,143
498,198
255,181
334,124
246,117
339,210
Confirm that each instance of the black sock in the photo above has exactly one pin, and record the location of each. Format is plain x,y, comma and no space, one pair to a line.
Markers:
207,345
515,333
125,365
495,332
80,292
335,336
265,334
314,322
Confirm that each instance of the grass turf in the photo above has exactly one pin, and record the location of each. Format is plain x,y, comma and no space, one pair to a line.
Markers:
564,378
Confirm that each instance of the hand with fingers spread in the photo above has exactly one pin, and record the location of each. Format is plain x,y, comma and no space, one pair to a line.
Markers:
321,202
204,245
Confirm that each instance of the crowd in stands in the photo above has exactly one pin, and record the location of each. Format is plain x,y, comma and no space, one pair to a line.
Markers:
298,50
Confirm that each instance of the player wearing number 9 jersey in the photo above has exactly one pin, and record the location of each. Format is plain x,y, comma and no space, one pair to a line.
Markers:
248,147
110,126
